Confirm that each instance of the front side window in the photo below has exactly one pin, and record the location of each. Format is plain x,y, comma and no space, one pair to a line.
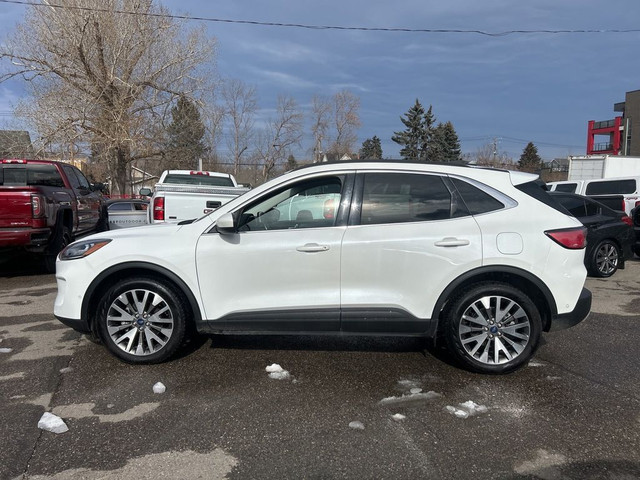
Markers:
307,204
405,197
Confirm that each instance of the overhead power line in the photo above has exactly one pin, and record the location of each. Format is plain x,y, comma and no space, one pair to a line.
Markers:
330,27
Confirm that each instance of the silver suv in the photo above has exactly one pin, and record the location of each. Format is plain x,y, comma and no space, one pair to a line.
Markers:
482,261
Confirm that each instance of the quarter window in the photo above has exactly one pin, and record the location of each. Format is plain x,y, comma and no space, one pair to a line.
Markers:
399,198
476,200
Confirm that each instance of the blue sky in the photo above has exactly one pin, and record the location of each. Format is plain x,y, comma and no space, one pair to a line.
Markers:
517,88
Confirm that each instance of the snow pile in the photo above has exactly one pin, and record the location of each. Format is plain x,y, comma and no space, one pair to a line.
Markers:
467,409
356,425
6,350
398,417
276,372
159,388
415,390
52,423
411,397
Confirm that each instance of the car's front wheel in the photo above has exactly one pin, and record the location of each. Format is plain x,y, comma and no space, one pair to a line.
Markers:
605,260
492,327
142,320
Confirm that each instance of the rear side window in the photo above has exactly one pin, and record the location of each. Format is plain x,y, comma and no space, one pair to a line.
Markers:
402,197
537,190
30,175
611,187
195,179
475,199
566,187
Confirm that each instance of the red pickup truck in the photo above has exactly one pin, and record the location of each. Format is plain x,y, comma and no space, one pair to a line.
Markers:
44,205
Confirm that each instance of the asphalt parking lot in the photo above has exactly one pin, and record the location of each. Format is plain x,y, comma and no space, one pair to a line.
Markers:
572,413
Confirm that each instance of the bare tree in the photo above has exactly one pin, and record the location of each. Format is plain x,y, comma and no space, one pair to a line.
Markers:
240,105
321,116
283,132
488,155
346,119
106,72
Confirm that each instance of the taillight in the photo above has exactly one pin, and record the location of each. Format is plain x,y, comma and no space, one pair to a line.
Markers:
638,203
627,220
158,208
13,160
571,238
37,206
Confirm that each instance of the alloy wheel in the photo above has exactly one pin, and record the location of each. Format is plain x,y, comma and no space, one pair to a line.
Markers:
140,322
494,330
607,259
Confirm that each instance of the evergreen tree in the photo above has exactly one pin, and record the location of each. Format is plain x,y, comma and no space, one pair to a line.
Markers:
413,138
530,161
432,148
186,133
292,163
451,143
371,149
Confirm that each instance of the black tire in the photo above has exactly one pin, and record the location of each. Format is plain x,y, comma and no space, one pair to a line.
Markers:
61,238
636,250
149,336
605,259
481,341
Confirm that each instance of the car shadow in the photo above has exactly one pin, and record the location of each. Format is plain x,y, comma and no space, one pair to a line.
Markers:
22,264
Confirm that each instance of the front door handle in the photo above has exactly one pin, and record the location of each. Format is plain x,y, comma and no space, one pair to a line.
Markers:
312,248
452,242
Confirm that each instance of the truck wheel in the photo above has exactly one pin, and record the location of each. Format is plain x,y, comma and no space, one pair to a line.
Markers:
492,328
60,239
142,320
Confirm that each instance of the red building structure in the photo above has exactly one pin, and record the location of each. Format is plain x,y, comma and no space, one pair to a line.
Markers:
613,130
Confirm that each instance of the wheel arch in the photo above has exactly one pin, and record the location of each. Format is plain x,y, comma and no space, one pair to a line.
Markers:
525,281
103,282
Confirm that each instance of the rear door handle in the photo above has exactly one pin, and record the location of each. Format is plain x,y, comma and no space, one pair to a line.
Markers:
312,248
452,242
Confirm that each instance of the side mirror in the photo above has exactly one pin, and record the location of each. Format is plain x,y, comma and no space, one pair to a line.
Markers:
226,224
145,192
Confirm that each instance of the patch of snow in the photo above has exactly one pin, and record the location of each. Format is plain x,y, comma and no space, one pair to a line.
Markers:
552,378
412,397
467,409
283,375
407,383
398,417
415,390
534,363
356,425
110,405
276,372
52,423
16,397
66,370
6,350
274,368
159,388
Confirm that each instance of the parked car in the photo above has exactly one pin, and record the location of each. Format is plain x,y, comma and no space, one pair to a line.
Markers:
480,261
44,205
635,216
127,212
610,236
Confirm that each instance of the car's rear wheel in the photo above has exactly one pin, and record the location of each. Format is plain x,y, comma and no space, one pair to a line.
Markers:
492,327
605,259
142,320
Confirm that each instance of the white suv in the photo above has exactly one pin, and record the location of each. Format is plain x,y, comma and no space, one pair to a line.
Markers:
479,260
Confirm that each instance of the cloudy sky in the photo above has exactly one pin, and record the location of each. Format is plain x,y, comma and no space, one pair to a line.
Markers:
514,88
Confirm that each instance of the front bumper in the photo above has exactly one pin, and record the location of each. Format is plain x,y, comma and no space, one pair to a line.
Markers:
578,314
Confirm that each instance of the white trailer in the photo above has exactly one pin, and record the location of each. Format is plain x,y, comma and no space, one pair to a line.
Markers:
589,167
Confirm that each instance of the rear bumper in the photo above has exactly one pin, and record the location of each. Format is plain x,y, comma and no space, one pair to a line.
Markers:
78,325
24,237
578,314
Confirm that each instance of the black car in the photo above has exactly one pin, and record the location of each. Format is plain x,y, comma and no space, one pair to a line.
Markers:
635,215
610,236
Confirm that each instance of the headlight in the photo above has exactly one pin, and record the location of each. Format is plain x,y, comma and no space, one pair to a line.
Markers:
82,249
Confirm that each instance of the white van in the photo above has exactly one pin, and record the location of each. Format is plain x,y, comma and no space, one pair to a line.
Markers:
621,194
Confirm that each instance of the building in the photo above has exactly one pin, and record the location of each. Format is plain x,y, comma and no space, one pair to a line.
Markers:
618,136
